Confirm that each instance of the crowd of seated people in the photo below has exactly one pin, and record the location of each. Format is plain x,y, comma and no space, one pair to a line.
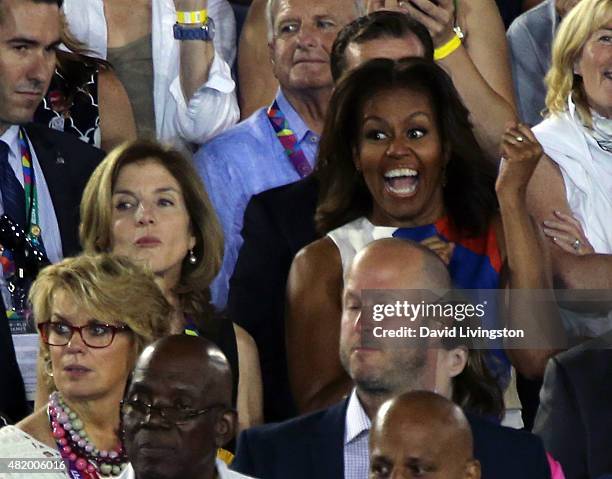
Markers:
204,202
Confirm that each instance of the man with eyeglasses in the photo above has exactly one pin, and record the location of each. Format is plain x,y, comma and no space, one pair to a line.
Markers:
178,411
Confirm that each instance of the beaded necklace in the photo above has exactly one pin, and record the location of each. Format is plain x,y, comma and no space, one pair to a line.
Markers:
83,459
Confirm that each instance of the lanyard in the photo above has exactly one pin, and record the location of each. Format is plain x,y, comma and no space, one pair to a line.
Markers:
289,140
29,186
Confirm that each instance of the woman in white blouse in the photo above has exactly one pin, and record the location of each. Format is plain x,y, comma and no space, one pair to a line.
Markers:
192,92
571,190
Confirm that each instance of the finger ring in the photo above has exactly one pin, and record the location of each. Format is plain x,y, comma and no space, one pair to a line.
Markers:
576,244
520,139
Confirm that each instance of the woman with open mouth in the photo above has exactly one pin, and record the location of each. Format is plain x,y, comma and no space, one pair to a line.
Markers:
398,158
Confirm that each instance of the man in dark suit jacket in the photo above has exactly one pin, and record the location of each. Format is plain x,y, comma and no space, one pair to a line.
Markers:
575,415
311,446
29,36
12,396
66,163
279,222
314,446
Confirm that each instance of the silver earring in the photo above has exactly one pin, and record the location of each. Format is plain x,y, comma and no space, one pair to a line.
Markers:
191,257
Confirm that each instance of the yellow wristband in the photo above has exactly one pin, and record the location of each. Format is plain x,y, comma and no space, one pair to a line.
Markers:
188,18
448,48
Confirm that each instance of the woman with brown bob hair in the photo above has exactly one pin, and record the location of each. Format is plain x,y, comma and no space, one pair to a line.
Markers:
96,229
398,158
95,314
146,202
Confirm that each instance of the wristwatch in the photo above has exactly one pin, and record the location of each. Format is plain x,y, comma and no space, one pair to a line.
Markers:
204,32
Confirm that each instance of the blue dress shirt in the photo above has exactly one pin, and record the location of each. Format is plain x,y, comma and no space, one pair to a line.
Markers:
241,162
530,40
356,438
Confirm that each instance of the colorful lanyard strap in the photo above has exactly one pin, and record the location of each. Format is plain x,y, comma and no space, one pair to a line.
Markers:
31,194
289,140
31,206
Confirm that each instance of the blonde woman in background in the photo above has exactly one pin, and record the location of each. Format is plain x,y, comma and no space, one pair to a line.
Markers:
95,314
571,191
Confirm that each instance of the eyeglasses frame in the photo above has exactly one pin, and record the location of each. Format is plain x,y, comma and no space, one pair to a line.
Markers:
193,413
114,329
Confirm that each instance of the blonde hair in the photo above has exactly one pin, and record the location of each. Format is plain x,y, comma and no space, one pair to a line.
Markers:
576,28
110,288
96,216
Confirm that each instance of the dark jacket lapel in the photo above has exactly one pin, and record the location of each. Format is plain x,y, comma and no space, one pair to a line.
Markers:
327,446
58,179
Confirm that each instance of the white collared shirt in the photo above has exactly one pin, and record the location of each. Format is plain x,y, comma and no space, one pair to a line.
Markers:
46,212
356,434
212,108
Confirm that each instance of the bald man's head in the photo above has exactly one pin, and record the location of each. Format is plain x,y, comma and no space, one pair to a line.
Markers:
388,264
204,363
188,382
399,264
422,434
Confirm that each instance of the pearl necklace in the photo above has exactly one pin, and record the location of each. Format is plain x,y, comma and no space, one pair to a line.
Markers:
69,433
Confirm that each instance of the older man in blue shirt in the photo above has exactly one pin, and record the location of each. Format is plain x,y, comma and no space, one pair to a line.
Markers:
277,144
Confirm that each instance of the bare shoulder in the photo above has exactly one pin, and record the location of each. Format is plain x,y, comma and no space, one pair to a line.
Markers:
316,274
319,256
243,339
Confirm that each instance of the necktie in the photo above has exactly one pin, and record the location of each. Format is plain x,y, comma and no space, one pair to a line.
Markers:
13,197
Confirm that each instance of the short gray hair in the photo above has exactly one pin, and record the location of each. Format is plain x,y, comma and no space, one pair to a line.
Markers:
271,5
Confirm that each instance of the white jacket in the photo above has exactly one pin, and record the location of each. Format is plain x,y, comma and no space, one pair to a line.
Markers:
587,174
213,107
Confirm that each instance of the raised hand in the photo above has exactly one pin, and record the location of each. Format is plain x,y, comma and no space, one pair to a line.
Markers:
443,249
436,15
520,153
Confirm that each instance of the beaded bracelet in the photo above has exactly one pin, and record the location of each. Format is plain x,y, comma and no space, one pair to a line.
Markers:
448,48
189,18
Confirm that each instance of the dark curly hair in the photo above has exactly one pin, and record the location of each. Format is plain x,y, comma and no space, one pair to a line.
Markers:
469,194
